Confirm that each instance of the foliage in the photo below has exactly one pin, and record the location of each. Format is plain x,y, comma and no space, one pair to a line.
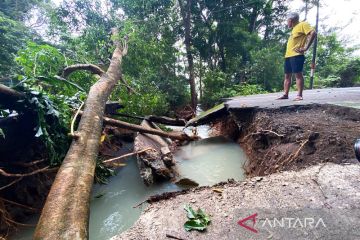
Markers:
18,9
53,117
266,67
151,66
335,65
2,133
40,60
198,220
149,101
13,34
349,73
225,87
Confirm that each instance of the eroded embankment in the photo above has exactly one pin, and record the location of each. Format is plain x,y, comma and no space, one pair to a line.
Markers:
295,137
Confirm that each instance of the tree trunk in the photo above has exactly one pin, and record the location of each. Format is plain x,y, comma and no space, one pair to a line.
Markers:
186,16
156,164
66,211
253,18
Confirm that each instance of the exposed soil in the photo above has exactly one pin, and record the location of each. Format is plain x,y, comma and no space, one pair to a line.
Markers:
292,138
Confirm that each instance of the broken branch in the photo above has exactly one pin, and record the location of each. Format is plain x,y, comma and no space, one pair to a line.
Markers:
87,67
109,161
172,135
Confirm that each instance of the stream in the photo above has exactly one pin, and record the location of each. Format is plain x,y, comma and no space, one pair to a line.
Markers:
207,161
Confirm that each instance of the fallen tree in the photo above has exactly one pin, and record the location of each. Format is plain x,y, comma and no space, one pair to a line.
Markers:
155,164
157,119
66,211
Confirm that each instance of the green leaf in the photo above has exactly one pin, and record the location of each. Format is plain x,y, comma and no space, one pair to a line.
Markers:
190,212
2,133
194,224
39,132
198,220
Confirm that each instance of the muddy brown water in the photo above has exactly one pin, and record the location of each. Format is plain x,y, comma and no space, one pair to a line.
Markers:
207,161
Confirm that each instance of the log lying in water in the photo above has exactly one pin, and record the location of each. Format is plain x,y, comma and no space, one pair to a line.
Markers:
154,165
144,128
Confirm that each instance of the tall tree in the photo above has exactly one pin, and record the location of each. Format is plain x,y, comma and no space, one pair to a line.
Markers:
185,10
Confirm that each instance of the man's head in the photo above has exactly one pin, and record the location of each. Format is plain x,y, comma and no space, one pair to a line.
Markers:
292,19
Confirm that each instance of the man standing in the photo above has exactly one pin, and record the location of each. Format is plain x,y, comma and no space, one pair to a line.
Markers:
300,40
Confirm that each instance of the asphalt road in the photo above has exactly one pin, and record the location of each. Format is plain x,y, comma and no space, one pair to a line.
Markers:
340,96
349,97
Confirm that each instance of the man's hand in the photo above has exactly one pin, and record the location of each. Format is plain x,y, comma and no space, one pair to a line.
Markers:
300,50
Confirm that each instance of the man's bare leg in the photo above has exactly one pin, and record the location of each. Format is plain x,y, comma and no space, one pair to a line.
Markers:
287,84
300,85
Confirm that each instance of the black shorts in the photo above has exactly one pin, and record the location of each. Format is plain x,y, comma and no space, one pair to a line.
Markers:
294,64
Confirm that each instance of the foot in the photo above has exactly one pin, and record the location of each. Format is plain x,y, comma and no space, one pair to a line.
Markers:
298,98
283,97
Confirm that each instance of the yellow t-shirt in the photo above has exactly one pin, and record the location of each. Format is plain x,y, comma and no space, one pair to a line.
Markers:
297,38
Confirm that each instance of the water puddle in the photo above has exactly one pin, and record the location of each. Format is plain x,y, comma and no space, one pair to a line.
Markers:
207,161
210,161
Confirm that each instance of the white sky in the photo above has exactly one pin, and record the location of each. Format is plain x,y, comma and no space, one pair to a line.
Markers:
344,15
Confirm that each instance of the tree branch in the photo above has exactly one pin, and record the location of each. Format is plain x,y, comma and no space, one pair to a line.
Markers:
87,67
45,169
110,161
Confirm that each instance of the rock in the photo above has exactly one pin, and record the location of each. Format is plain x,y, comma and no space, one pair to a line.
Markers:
186,182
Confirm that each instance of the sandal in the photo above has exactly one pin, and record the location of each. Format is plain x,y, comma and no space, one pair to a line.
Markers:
298,98
283,97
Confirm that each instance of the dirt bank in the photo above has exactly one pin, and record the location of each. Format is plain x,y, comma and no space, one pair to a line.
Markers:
292,138
327,187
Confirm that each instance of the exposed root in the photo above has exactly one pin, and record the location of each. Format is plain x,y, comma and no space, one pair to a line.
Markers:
20,205
12,183
30,164
45,169
261,131
296,154
112,160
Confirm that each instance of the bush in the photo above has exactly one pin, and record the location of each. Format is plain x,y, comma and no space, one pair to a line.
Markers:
225,88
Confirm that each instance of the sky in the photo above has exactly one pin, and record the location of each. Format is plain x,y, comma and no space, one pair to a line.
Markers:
344,15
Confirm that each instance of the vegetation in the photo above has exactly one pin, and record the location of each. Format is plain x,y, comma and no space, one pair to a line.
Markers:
233,47
198,220
181,53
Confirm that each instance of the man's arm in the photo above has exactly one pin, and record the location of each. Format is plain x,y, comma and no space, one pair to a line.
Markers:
309,40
